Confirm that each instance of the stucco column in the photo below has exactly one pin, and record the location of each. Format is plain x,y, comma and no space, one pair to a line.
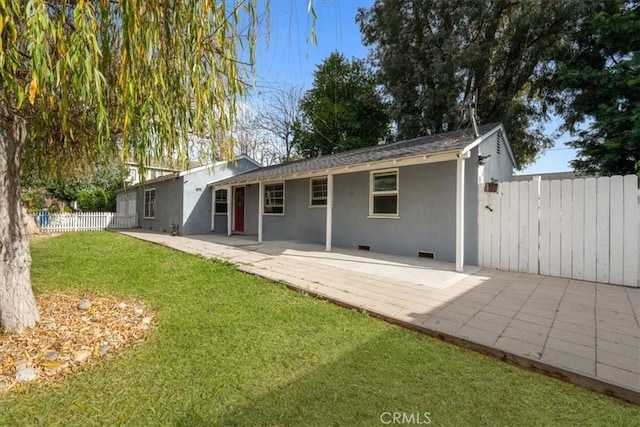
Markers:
213,208
329,212
260,210
460,213
229,209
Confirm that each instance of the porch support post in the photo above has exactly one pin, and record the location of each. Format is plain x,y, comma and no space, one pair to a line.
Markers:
329,212
260,210
213,208
229,210
460,212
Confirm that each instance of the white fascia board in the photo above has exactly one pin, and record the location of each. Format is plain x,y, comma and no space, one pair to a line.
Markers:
151,167
380,164
209,165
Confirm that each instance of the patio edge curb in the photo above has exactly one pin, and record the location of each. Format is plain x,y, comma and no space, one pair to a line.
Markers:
590,383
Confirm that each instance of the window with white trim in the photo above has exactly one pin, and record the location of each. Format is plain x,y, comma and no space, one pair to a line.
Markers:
150,203
318,192
221,202
274,198
384,193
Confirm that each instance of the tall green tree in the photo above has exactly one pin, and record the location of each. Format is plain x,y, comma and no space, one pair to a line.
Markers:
596,84
342,111
432,55
81,80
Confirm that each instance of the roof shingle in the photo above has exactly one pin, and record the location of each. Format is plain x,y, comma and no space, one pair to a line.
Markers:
432,144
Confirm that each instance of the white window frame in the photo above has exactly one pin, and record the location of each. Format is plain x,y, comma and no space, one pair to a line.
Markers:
215,201
311,198
264,199
144,202
373,194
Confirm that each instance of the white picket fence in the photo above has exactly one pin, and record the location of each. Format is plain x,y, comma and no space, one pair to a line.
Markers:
585,228
62,222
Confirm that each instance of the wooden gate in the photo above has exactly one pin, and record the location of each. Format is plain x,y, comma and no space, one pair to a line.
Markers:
583,228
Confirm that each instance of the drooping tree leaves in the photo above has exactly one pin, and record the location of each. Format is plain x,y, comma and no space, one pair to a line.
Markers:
82,81
96,78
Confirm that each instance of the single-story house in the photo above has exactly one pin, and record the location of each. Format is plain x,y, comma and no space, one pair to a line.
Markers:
417,197
179,202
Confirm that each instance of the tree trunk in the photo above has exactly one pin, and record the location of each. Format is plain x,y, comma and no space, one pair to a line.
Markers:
18,309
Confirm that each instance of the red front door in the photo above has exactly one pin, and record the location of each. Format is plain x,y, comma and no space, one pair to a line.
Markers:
238,209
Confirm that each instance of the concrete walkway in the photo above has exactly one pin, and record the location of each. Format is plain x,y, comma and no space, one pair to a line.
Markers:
587,333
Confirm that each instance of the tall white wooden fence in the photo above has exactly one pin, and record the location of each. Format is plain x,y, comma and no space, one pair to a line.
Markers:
584,228
61,222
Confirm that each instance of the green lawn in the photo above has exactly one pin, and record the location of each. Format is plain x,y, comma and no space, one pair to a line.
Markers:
234,349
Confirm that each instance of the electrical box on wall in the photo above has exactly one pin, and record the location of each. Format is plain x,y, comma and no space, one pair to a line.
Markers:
490,187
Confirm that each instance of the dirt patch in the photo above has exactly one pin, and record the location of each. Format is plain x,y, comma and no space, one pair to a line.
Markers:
74,332
43,236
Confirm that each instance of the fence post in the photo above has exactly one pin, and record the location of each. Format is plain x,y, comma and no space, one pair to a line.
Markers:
534,225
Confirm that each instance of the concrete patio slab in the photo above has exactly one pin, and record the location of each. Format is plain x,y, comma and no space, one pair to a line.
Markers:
586,333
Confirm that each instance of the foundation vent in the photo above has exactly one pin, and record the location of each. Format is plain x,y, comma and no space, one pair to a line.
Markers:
422,254
363,247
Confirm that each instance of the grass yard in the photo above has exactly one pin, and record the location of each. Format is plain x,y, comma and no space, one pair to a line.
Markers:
234,349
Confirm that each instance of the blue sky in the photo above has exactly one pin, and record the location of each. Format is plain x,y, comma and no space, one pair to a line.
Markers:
290,58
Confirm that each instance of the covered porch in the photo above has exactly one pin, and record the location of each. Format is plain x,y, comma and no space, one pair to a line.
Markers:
245,201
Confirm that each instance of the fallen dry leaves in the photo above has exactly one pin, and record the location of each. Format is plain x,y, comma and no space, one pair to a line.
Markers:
68,338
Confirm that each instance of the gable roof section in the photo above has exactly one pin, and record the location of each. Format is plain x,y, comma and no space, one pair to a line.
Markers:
178,174
448,142
212,165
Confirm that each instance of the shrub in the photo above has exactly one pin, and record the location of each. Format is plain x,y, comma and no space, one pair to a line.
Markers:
33,200
96,200
87,200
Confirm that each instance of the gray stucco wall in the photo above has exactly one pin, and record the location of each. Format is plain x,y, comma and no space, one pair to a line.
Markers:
499,166
300,222
187,201
197,197
220,222
168,205
427,213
